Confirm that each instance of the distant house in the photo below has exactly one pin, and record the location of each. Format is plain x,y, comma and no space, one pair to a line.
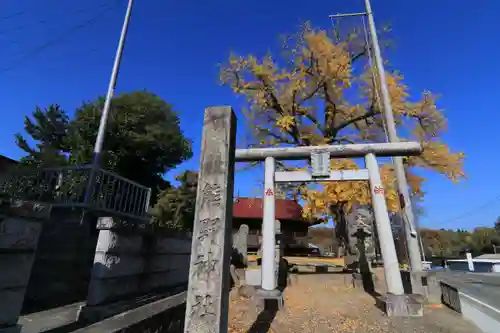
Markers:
491,256
486,263
6,164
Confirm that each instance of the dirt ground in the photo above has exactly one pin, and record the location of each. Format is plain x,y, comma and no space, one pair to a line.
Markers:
324,303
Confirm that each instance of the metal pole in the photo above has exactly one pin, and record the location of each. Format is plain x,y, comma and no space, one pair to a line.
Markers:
111,88
96,158
412,239
417,229
268,228
391,265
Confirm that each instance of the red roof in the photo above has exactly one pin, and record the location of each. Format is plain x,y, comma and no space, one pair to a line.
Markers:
252,208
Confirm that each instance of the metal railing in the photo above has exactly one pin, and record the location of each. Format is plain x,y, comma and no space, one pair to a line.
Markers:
450,297
74,186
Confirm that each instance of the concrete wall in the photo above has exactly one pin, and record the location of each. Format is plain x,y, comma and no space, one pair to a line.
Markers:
64,259
21,223
132,260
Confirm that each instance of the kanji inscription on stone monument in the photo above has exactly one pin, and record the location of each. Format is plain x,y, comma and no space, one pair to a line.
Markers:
208,290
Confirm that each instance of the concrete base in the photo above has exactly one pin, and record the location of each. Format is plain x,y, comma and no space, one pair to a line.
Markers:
269,299
11,329
401,305
419,283
247,291
414,282
423,283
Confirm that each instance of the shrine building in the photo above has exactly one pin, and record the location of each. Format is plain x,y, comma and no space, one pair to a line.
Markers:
294,227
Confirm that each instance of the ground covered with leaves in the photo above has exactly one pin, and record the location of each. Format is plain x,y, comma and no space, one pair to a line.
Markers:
324,303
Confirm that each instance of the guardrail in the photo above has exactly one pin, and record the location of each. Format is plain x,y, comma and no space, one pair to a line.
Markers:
78,186
450,297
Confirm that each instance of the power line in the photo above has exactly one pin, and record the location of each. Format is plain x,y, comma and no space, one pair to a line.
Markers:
473,211
46,20
58,39
17,14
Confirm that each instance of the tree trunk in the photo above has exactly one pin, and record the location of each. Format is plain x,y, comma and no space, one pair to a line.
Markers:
338,212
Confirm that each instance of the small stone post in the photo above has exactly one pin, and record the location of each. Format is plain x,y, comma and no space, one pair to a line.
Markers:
239,259
278,253
209,277
240,245
21,224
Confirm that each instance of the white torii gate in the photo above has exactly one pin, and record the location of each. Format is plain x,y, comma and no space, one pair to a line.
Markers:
320,157
208,297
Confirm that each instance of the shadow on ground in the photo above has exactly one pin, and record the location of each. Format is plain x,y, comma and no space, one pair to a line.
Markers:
265,319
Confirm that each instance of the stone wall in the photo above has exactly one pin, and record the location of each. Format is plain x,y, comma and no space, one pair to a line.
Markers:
21,223
134,264
61,271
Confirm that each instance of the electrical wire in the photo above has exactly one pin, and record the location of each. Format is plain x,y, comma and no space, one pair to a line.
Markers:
58,39
4,32
473,211
16,14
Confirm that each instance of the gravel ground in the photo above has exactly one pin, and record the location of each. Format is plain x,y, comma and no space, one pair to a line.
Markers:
323,303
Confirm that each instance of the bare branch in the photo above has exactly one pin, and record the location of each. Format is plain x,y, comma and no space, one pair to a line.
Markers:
359,55
274,135
351,121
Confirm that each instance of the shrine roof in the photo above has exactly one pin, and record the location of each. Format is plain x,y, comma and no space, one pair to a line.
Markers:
252,208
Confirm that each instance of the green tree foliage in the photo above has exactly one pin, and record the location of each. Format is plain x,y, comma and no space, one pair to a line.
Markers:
49,129
454,243
143,137
436,243
175,206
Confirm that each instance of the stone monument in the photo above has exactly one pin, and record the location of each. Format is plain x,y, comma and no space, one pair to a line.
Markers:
359,229
209,274
239,255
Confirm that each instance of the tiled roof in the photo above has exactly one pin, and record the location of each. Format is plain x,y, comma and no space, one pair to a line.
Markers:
252,208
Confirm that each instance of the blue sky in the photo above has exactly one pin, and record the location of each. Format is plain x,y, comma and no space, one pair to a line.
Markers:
173,49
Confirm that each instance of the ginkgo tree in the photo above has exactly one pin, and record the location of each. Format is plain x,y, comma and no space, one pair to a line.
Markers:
321,91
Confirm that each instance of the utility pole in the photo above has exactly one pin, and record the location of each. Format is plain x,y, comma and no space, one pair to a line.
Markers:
111,87
96,158
412,233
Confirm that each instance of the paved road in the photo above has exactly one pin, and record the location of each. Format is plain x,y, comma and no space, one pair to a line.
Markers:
485,287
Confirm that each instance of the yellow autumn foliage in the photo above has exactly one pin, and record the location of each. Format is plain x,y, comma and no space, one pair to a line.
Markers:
306,98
